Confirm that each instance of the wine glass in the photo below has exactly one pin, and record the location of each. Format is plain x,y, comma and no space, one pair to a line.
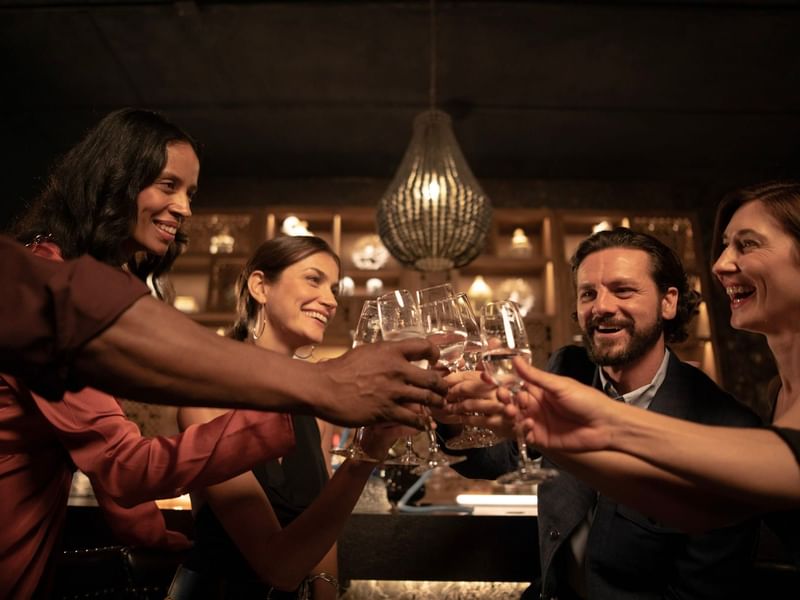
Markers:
445,329
504,338
368,331
400,319
471,436
434,293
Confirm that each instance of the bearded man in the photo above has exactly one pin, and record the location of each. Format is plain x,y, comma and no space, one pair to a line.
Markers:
632,300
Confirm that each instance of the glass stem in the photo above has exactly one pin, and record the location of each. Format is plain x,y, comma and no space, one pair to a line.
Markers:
525,462
433,445
358,437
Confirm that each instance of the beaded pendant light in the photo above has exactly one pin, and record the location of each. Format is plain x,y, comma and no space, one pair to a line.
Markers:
434,216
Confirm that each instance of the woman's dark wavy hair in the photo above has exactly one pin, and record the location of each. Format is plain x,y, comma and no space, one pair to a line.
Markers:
88,205
781,200
666,269
272,258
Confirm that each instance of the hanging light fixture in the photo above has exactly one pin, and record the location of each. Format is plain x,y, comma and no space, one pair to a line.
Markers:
434,216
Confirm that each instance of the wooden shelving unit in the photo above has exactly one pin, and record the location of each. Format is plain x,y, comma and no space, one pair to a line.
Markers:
552,234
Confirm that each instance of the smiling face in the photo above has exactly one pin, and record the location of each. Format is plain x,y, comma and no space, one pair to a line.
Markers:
620,309
760,270
300,304
163,206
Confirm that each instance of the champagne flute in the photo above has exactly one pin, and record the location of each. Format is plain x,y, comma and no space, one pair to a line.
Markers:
504,338
368,331
471,436
399,318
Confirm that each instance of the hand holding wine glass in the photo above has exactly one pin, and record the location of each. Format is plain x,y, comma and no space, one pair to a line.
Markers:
471,436
400,319
445,328
504,338
368,331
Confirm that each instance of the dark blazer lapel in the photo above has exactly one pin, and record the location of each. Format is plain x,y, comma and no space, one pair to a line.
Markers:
674,397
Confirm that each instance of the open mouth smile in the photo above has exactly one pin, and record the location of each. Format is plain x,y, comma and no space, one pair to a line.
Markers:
317,315
738,294
170,230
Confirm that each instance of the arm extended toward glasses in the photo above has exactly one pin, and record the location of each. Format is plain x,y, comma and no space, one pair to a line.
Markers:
83,323
752,470
653,491
154,353
282,557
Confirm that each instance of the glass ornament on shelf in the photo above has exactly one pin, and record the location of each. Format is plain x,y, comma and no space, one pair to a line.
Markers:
374,286
292,225
222,242
347,287
517,290
369,253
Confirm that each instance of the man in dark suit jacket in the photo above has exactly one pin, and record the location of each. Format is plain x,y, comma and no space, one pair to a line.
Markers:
632,299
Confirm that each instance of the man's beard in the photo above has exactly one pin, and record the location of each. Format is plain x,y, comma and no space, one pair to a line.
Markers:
641,341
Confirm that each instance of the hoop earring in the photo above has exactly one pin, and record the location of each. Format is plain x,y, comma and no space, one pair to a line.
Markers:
305,356
261,322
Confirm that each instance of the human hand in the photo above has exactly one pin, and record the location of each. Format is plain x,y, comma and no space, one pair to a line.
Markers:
474,399
379,438
562,414
377,383
463,385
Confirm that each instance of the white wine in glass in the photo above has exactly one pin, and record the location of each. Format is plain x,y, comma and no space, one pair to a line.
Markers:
505,338
400,319
471,436
368,331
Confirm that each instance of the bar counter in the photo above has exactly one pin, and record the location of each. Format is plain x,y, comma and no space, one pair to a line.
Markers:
397,546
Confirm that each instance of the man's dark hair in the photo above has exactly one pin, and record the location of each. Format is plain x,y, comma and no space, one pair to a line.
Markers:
666,270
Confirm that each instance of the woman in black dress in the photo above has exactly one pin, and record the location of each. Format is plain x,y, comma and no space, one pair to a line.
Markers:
271,532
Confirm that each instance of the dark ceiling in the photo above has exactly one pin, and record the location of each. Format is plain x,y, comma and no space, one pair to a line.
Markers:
544,90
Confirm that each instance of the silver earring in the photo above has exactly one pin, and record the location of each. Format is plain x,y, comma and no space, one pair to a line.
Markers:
261,322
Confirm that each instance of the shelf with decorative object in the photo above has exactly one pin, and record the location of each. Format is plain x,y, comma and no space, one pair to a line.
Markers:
525,258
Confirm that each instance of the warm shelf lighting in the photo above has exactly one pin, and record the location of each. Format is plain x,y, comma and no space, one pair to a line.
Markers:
479,292
520,244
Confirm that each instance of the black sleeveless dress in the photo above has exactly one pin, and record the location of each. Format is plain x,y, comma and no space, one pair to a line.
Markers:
786,524
291,486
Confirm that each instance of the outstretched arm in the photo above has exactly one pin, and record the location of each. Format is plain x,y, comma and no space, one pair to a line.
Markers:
78,323
282,557
751,467
155,354
653,491
130,469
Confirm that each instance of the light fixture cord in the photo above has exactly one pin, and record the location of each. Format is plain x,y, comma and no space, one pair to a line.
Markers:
433,54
